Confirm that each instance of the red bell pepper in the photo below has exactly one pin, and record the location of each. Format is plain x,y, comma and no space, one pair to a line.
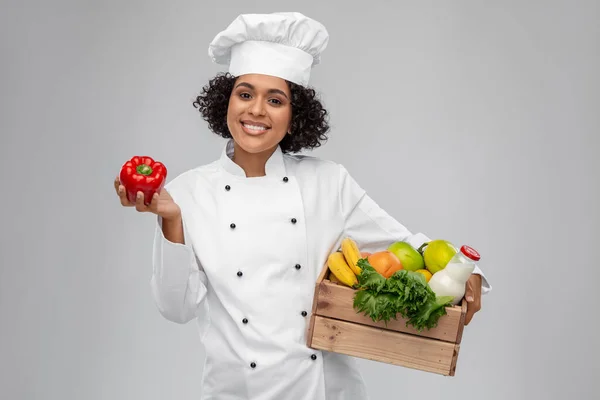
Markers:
143,174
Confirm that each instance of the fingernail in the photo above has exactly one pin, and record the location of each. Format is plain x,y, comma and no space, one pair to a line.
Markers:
469,298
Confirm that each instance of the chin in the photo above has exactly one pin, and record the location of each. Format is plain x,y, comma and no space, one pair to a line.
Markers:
256,143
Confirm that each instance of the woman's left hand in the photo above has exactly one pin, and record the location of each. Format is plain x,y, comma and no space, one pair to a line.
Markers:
473,296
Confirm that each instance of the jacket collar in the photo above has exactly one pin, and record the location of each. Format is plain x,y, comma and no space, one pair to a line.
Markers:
275,166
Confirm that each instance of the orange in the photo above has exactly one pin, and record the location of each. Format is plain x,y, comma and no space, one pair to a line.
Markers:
425,273
385,262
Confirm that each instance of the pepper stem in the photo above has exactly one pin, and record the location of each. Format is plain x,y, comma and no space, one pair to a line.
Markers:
144,169
421,248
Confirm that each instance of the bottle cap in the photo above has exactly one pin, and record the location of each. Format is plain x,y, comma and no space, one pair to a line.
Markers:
470,252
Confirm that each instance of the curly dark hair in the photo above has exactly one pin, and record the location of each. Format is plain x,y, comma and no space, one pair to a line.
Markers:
309,117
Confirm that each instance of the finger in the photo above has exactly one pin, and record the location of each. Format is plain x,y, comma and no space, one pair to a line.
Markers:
123,197
118,185
469,314
469,298
469,292
139,202
154,203
120,189
473,306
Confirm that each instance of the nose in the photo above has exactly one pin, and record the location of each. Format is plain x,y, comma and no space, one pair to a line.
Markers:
257,108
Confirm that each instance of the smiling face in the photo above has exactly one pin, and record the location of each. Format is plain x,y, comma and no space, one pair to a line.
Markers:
260,112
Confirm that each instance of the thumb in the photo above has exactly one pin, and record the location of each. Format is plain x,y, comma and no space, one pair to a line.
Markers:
469,292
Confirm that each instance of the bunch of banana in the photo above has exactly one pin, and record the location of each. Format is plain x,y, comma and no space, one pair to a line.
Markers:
340,269
333,279
351,253
343,264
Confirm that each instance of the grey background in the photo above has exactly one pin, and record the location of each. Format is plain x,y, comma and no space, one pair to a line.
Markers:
471,121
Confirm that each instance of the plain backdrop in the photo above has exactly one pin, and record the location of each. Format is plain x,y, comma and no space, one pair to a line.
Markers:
471,121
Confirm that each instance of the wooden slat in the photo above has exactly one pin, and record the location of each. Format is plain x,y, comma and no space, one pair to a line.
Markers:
454,360
309,330
384,346
463,317
323,274
337,301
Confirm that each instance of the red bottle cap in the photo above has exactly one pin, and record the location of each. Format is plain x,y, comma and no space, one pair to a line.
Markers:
471,253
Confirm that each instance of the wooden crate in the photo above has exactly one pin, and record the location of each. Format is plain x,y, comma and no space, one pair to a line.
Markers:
335,326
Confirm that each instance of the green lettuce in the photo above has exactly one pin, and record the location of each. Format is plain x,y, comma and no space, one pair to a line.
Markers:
405,293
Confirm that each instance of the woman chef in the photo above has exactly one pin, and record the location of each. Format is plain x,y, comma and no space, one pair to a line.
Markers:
240,241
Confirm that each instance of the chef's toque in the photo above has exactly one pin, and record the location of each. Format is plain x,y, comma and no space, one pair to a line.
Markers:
286,45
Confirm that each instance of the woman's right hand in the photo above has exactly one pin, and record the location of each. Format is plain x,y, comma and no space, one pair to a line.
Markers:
162,203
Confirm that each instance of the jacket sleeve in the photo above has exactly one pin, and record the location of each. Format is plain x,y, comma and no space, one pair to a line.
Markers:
373,228
178,282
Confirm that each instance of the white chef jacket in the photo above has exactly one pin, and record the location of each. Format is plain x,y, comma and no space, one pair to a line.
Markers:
253,250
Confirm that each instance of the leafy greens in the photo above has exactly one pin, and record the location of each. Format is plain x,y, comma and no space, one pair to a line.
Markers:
405,292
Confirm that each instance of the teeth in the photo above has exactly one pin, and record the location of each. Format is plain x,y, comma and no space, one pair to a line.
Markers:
255,128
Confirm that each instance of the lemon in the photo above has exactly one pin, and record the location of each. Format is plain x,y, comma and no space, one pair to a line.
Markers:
410,258
437,254
425,273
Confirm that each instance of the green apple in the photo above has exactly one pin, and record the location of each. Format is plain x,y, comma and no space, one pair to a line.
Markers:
437,254
410,258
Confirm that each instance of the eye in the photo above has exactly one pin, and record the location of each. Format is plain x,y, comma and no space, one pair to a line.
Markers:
277,101
244,95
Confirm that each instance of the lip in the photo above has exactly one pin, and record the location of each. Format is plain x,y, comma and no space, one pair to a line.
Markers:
250,122
253,133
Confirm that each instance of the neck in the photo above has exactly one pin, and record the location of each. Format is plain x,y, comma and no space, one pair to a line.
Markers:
253,164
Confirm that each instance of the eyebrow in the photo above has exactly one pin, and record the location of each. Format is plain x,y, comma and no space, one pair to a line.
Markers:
269,91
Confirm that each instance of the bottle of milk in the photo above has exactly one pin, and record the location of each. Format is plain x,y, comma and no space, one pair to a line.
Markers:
451,280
